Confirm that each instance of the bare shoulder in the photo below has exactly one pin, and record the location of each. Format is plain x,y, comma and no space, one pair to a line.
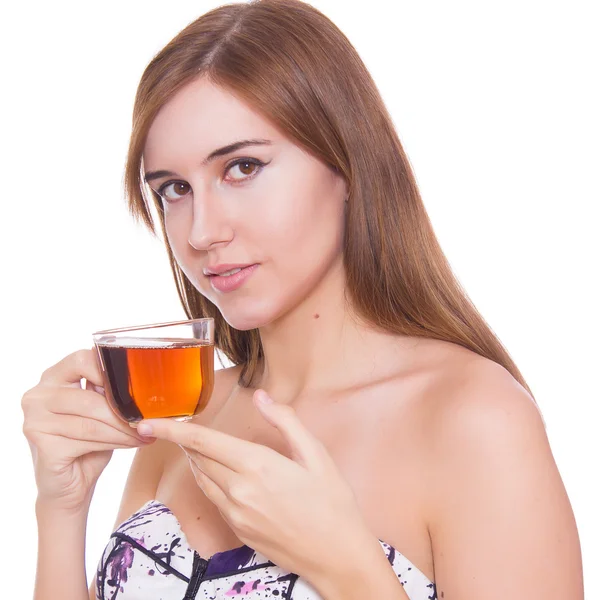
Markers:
497,509
458,391
470,387
476,411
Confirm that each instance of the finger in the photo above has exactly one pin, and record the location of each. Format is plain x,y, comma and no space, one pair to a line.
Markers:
305,448
82,429
226,449
74,367
210,485
220,474
39,402
88,404
94,388
65,447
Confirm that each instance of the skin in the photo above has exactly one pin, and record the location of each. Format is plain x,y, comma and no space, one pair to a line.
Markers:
445,454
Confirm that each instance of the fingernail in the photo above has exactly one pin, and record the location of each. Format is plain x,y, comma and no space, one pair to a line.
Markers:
264,398
144,429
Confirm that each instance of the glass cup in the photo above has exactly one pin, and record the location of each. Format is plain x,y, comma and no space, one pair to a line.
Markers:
158,371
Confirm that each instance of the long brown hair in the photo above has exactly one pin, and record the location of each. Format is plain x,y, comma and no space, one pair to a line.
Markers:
293,65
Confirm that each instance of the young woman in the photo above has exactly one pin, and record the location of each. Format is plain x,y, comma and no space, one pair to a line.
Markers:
401,454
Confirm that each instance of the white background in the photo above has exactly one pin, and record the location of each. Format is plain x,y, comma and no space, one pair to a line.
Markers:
496,104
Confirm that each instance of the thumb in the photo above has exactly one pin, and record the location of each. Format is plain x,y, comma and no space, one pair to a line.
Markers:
306,449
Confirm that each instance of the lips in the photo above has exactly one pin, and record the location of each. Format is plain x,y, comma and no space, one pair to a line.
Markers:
228,273
231,278
224,268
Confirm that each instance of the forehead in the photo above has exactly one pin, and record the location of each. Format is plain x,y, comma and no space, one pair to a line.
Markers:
200,118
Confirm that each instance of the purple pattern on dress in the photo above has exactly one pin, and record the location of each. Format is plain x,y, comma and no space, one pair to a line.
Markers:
120,561
243,588
228,561
113,574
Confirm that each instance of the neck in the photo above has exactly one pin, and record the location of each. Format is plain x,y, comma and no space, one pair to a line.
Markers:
321,345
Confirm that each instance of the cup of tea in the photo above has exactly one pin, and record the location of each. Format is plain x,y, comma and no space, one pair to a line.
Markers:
165,370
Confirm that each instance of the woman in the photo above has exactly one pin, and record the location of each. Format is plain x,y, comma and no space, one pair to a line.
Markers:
402,454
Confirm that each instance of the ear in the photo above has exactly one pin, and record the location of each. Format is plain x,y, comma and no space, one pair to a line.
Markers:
342,182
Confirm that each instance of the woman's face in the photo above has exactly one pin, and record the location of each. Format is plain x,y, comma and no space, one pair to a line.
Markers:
266,205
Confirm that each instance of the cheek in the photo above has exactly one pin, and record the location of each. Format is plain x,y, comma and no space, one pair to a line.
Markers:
304,219
177,228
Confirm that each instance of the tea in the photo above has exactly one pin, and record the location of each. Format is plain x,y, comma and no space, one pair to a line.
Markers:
149,379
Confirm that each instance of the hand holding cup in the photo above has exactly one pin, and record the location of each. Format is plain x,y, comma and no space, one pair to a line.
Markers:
72,431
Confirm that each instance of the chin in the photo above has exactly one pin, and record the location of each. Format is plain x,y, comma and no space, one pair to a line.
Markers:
242,323
245,318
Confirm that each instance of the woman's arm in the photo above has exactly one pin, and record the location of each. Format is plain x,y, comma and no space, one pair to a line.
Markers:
61,571
501,523
72,433
61,554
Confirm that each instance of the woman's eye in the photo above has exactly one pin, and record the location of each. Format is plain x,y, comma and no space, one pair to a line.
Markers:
244,169
238,171
174,190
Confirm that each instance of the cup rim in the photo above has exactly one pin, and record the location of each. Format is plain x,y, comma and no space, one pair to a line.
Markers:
151,326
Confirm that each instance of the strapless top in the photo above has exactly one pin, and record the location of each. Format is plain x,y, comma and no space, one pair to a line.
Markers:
149,558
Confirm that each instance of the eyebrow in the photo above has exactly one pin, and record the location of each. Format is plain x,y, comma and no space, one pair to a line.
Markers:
215,154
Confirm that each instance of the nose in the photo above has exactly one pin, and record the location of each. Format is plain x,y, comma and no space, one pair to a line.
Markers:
210,222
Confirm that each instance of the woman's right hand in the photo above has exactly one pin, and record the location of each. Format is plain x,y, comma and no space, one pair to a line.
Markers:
72,432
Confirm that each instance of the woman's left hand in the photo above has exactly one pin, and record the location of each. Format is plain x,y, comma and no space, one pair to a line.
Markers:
300,513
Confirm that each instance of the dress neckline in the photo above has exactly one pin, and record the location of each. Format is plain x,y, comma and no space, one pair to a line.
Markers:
243,554
244,549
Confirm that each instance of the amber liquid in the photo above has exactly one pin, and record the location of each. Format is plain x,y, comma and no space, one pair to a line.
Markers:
148,382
